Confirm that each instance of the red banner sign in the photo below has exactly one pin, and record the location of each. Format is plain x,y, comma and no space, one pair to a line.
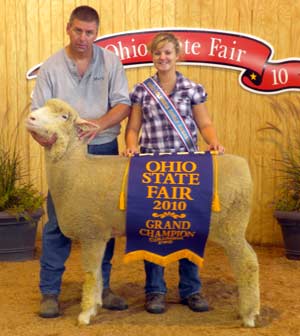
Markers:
245,53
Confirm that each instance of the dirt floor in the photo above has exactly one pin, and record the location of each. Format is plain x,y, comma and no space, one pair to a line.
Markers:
280,299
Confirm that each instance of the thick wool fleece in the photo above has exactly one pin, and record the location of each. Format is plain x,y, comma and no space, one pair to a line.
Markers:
93,184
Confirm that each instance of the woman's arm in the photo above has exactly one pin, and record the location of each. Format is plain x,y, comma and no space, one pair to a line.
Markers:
132,130
206,127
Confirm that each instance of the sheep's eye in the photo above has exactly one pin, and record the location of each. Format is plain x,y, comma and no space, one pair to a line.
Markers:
65,116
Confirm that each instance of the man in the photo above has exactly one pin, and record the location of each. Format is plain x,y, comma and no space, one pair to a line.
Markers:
93,81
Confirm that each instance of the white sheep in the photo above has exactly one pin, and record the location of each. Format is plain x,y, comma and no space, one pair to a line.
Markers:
86,189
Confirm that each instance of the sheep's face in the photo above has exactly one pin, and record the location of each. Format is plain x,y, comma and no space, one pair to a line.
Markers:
58,118
50,119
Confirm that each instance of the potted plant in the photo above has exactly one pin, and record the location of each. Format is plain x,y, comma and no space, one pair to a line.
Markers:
287,202
20,203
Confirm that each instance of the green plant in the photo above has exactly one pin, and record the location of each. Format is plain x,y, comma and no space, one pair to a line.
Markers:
287,141
17,197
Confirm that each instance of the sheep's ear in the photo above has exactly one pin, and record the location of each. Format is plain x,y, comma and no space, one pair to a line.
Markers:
83,125
79,121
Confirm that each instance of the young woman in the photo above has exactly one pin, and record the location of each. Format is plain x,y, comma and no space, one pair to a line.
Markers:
159,135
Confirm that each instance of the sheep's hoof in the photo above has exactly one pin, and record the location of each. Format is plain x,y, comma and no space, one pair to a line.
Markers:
99,300
249,321
85,317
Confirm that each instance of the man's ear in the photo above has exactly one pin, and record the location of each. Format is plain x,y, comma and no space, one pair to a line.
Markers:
68,27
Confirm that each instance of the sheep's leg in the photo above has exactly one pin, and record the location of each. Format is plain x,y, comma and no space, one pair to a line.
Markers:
245,267
92,255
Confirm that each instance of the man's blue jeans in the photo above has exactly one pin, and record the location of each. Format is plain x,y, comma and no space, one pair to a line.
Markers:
189,281
57,247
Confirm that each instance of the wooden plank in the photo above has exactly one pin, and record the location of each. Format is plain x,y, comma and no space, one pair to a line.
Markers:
156,17
131,23
206,72
57,25
182,16
144,22
265,23
219,94
44,30
233,130
21,84
294,49
68,6
106,17
169,9
246,10
118,11
11,62
3,69
255,158
282,44
33,57
182,13
194,10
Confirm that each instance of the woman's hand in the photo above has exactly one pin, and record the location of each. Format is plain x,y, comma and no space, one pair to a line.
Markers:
216,147
130,151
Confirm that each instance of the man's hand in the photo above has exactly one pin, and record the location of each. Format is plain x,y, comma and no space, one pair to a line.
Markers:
87,129
45,142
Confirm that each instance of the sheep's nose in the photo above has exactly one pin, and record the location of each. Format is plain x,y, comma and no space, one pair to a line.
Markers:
32,117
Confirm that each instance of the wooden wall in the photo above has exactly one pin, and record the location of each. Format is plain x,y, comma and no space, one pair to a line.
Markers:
31,30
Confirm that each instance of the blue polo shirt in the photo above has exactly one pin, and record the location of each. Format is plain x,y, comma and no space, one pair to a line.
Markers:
103,86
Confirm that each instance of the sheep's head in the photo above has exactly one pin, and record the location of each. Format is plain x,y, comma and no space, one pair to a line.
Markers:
56,117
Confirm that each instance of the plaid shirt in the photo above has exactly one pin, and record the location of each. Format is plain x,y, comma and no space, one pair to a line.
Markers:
158,135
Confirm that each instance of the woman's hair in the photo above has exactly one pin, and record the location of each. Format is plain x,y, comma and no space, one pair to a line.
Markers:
85,13
163,38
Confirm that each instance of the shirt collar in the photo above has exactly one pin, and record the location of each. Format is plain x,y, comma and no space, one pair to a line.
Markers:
181,82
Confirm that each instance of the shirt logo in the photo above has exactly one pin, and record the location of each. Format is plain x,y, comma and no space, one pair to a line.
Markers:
96,78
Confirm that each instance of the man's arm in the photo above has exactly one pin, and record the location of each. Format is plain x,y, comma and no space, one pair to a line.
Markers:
118,98
113,117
